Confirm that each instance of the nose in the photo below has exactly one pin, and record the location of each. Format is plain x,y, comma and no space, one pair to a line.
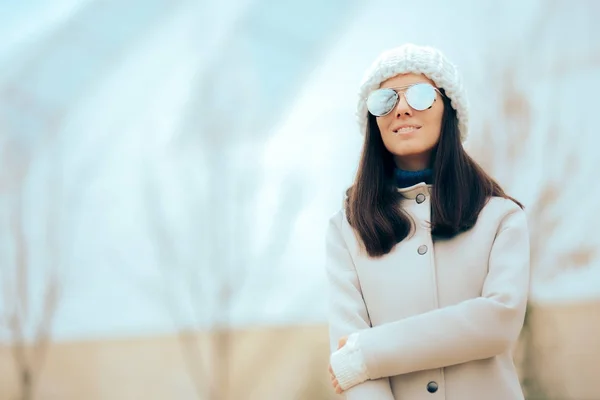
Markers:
402,108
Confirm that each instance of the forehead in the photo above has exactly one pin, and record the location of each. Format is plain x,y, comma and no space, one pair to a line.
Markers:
404,80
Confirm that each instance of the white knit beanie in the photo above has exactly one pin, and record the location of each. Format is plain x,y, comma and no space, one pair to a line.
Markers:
419,60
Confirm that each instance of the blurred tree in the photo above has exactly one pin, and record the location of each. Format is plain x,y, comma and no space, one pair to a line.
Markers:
510,140
35,89
30,288
241,94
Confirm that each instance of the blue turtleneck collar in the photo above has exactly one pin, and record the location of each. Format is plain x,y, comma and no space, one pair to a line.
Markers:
406,179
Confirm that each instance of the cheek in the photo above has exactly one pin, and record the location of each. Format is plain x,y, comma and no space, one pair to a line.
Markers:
381,124
431,134
434,121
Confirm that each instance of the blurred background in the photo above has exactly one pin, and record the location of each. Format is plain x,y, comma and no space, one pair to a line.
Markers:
167,169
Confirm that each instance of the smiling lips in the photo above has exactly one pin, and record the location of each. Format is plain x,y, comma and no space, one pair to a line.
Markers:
404,129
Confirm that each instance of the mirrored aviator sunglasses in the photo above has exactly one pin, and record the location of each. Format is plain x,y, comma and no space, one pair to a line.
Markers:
419,96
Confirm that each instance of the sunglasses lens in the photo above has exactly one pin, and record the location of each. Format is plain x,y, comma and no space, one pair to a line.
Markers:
381,101
420,96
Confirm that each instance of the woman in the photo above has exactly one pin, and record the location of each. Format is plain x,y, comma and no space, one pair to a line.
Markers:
428,262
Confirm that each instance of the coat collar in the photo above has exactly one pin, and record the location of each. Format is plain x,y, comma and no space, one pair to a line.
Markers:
411,192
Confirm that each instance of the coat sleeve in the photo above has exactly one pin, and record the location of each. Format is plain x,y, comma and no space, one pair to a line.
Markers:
474,329
347,309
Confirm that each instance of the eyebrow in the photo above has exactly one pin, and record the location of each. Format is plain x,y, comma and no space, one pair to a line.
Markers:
407,86
396,88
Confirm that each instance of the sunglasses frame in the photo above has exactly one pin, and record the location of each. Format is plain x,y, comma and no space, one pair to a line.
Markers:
401,90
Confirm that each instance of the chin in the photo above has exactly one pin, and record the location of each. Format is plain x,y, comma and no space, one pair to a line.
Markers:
404,151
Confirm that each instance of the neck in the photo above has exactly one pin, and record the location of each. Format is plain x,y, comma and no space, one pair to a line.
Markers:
417,162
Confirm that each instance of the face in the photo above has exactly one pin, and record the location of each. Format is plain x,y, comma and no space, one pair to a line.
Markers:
408,134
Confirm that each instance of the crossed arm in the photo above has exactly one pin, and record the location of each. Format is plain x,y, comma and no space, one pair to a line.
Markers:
348,312
474,329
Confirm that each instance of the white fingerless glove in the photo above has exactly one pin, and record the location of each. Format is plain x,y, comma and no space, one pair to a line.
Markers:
348,364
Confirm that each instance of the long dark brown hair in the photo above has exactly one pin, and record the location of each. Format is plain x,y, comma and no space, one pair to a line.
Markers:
460,191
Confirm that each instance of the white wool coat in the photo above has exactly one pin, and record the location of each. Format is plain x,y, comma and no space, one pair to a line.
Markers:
438,319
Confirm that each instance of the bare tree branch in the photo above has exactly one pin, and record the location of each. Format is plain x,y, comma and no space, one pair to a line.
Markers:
29,333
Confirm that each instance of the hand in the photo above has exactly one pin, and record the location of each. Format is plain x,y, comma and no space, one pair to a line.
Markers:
334,380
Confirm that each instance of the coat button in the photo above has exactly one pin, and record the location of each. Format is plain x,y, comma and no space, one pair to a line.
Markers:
420,198
432,387
422,249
